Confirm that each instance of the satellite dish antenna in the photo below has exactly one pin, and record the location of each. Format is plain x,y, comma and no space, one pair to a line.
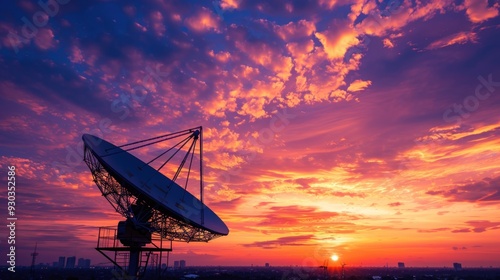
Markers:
153,205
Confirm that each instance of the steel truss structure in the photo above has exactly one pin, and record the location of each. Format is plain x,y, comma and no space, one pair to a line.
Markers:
108,242
147,223
138,208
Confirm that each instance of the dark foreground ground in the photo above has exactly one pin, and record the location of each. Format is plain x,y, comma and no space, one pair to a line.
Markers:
280,273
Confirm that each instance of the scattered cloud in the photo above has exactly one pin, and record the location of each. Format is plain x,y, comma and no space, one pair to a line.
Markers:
358,85
338,39
458,38
480,10
479,226
388,43
433,230
203,20
301,240
395,204
461,230
485,190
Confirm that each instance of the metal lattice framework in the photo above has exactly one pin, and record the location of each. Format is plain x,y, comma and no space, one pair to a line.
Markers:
143,212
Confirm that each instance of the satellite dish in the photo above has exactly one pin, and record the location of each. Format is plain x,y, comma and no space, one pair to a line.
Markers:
152,203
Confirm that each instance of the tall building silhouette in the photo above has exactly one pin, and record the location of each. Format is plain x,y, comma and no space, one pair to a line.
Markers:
62,260
70,262
81,262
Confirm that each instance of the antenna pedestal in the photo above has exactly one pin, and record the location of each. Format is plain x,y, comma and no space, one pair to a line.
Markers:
133,264
132,260
132,237
135,239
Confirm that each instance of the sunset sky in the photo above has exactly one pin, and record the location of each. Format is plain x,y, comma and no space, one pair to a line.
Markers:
366,129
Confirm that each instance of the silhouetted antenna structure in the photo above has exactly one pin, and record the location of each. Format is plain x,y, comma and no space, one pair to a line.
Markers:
325,266
156,208
342,276
33,260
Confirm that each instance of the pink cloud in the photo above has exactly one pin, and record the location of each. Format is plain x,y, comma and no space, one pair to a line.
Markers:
433,230
295,216
388,43
76,55
325,85
358,85
478,10
395,204
458,38
295,30
282,241
227,204
11,38
157,24
230,4
482,191
379,23
338,39
221,56
265,55
330,4
45,39
300,52
483,225
461,230
203,20
254,107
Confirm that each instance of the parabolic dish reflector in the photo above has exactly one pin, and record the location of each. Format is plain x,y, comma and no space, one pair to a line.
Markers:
120,174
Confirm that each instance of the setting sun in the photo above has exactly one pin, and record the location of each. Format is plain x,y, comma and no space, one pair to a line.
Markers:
335,258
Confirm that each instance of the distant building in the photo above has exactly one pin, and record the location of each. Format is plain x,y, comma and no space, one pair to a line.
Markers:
182,264
55,264
267,265
62,260
70,262
176,264
42,265
83,263
457,266
401,265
